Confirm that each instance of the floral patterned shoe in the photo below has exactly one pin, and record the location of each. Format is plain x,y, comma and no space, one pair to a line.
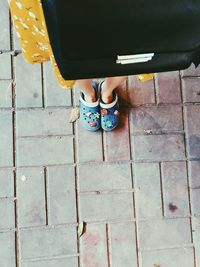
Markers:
90,112
109,113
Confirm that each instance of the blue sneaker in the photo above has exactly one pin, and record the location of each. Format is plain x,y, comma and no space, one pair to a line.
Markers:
90,112
109,113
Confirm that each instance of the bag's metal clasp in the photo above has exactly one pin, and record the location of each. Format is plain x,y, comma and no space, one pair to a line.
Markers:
129,59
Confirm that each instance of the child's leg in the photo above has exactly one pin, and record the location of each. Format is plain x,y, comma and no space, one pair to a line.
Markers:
86,87
108,86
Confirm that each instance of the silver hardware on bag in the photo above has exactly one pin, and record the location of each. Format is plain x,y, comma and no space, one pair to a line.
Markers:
129,59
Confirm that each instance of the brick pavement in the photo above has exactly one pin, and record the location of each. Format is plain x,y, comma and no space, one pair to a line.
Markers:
137,188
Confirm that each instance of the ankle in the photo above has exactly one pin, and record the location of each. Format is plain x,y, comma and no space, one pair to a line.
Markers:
90,97
106,93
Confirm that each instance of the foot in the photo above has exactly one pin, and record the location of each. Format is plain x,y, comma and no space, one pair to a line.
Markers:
90,111
91,97
106,95
109,112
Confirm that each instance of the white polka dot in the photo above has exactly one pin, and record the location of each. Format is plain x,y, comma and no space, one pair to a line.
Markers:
19,5
31,14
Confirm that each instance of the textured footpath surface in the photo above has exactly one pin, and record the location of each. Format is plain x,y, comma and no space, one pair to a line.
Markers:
137,188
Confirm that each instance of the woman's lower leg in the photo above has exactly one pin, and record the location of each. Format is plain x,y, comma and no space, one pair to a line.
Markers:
108,86
86,87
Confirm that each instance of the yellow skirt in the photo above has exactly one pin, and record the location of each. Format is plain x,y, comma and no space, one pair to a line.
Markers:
28,20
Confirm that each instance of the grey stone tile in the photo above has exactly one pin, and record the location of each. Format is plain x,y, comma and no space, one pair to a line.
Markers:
35,243
192,124
43,122
156,119
191,90
61,192
168,147
71,262
5,93
31,197
6,183
55,95
168,87
6,139
194,174
89,145
4,26
28,83
175,189
34,151
99,177
104,207
5,66
7,213
7,249
195,201
164,233
140,93
147,190
183,257
123,244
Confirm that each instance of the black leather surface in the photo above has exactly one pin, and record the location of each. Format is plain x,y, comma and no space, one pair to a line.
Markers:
87,36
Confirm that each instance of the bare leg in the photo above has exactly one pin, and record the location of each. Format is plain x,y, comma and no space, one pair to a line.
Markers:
86,87
108,86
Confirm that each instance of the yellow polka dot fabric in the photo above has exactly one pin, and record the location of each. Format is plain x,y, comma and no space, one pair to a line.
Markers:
28,20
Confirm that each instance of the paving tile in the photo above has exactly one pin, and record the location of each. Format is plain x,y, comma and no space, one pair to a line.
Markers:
28,84
164,233
147,190
76,93
49,242
194,174
31,197
61,193
191,90
195,203
196,236
104,207
7,249
122,91
89,145
168,87
191,71
5,93
6,183
194,178
175,189
44,151
43,122
5,66
6,139
7,213
166,147
16,41
4,26
156,119
140,92
55,95
100,177
117,142
93,247
183,257
192,125
123,245
71,262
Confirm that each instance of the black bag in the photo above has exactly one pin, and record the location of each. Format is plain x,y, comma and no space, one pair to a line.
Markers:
102,38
